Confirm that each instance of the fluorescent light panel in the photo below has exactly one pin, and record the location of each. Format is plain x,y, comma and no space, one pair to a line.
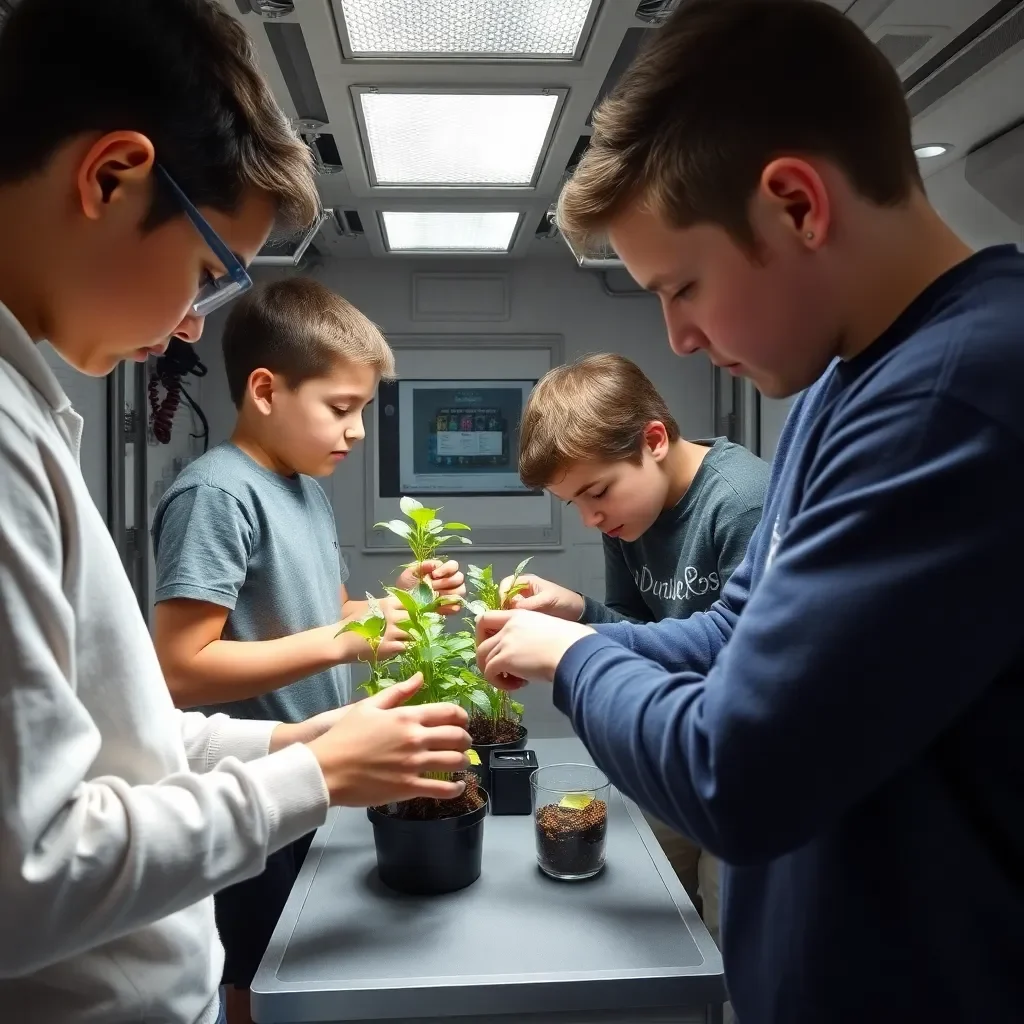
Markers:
928,151
449,231
489,139
472,28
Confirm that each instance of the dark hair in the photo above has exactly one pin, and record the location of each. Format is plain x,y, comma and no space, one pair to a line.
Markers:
725,87
596,408
300,329
181,72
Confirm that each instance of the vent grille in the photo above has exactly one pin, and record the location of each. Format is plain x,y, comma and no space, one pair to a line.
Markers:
656,12
899,47
967,55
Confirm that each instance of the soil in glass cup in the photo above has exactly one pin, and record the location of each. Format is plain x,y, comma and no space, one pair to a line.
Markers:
570,813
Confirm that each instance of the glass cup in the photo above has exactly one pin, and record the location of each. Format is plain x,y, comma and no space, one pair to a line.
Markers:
570,817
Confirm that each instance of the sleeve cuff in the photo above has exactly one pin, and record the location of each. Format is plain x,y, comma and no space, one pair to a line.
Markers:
295,794
238,737
170,591
573,666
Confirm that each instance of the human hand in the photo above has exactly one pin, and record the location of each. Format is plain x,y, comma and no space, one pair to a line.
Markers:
445,579
540,595
516,646
354,647
378,751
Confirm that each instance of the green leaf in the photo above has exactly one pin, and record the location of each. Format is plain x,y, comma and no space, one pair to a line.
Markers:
373,605
477,607
521,566
435,526
423,594
370,628
409,505
422,516
516,706
408,601
404,530
481,700
456,526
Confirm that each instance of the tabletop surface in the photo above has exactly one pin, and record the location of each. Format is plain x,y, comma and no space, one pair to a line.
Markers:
513,941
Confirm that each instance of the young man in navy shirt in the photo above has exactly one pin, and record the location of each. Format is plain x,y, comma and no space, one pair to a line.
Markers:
845,727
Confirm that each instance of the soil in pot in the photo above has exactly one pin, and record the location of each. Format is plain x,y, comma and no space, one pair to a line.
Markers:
486,732
571,840
424,808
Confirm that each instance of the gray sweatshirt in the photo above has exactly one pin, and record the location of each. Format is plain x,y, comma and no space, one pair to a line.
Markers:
681,563
119,815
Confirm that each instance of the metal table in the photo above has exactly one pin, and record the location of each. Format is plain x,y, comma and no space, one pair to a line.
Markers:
623,948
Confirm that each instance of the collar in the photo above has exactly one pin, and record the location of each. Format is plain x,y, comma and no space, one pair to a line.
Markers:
18,349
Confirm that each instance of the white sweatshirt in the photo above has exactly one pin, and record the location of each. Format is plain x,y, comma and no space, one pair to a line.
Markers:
119,815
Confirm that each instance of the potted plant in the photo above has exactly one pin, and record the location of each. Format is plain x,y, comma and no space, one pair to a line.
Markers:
426,845
498,725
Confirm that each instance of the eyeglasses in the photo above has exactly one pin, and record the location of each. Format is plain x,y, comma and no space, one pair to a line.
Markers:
218,291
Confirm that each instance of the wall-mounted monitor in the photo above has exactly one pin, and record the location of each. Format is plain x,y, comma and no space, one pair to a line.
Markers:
447,433
450,437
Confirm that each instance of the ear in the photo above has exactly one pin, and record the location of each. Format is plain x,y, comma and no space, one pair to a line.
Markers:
656,439
798,199
261,390
115,166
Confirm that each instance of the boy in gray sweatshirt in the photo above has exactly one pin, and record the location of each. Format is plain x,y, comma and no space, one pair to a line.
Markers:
675,517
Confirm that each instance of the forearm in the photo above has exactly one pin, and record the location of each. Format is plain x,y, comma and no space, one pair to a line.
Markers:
677,645
230,670
594,613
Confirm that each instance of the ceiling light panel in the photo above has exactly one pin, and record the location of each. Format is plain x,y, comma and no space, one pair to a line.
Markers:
449,231
456,139
493,29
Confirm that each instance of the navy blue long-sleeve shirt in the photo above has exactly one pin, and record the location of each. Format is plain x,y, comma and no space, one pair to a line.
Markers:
845,728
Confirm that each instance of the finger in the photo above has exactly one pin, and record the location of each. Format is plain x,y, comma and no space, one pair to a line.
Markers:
497,668
446,738
443,571
443,713
530,602
442,761
490,623
396,695
447,584
435,788
427,568
485,650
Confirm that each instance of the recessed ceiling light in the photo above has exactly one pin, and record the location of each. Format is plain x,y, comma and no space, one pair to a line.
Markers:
930,150
449,231
437,138
470,28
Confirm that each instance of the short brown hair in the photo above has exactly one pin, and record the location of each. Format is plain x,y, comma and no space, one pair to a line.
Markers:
298,328
725,87
596,408
181,72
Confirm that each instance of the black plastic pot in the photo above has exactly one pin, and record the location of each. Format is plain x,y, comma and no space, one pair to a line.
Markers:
426,858
482,770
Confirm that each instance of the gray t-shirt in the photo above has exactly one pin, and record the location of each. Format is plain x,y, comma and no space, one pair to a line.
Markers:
230,532
681,563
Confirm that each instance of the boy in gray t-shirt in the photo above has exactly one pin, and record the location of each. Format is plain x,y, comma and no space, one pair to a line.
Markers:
676,516
250,581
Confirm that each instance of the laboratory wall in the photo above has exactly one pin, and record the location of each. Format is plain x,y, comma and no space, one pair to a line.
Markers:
541,297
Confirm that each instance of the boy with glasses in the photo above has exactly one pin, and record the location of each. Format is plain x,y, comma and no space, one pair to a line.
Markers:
142,160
